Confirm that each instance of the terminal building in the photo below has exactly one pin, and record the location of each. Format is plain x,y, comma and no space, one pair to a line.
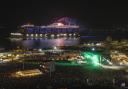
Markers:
56,29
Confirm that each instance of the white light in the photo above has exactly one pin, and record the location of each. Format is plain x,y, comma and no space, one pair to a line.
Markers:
40,50
121,63
12,33
17,55
65,34
45,35
93,49
88,44
9,54
27,34
111,67
115,51
31,35
41,35
19,34
52,35
58,35
27,25
60,24
55,48
98,44
36,35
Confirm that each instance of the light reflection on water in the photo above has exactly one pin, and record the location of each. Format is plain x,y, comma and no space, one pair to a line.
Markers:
46,43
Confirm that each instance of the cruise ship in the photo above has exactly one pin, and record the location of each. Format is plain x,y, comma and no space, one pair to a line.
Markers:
56,29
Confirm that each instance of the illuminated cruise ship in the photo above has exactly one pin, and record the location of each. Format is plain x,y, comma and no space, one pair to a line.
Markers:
57,29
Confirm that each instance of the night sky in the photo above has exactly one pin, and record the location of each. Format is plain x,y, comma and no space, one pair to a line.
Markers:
92,14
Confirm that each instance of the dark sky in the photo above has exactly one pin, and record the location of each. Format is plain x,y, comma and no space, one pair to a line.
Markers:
94,14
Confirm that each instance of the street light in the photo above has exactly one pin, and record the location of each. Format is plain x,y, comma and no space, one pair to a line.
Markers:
55,48
93,49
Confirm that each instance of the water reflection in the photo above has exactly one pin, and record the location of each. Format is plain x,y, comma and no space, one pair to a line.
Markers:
46,43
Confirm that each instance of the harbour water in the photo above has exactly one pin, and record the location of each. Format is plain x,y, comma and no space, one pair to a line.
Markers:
44,43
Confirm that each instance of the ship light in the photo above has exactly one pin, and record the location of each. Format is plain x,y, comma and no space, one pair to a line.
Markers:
65,34
36,35
60,24
41,35
70,34
27,34
58,35
52,35
31,35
